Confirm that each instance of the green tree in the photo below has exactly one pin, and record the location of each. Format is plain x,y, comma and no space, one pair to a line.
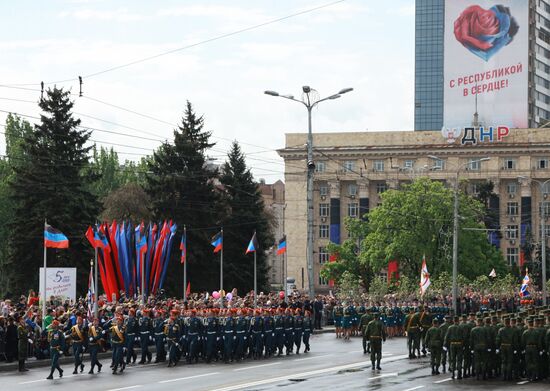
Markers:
15,131
416,221
246,214
52,184
181,187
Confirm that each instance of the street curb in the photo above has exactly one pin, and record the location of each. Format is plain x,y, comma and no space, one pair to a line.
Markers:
68,360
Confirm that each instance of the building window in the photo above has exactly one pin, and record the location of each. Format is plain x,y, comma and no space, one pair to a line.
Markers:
511,232
378,165
512,209
323,231
320,166
323,255
512,256
474,165
474,189
542,163
353,209
509,163
381,187
408,164
512,187
352,189
323,210
323,190
544,207
439,164
547,230
349,166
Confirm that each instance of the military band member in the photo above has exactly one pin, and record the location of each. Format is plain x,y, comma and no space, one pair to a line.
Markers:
56,339
131,327
95,336
158,329
172,331
117,333
145,336
79,338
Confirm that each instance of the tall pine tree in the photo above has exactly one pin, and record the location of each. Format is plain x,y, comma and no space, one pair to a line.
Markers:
246,214
181,187
53,184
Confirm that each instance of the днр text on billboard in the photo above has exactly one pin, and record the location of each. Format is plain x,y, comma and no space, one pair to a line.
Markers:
486,56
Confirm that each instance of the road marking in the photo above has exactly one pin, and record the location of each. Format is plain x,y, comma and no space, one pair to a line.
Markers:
414,388
384,375
522,382
257,366
314,357
189,377
443,381
303,374
125,388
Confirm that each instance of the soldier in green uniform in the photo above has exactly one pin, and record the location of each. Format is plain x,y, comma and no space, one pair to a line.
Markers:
376,334
117,342
412,327
505,347
444,327
95,335
478,345
454,342
531,344
22,343
79,337
491,342
434,342
363,322
425,322
56,338
465,327
516,348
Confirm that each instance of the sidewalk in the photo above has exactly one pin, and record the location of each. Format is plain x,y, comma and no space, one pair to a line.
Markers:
67,361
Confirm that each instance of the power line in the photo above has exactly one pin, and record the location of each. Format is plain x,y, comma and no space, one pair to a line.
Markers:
216,38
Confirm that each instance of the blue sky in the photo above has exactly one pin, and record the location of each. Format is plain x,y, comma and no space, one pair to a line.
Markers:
365,44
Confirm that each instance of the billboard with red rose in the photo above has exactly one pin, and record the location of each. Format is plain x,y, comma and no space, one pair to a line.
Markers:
486,62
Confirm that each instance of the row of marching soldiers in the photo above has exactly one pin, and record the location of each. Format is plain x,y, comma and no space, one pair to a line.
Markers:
492,345
211,334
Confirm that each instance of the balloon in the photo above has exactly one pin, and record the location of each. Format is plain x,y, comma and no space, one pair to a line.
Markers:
282,294
229,296
216,295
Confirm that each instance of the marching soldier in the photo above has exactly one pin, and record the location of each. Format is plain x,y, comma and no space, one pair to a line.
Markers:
117,342
363,322
279,331
308,329
338,314
78,336
257,328
530,341
211,325
478,344
193,337
506,342
434,342
172,331
298,330
229,336
158,329
288,324
268,333
444,327
22,344
95,336
57,344
376,333
454,344
145,336
131,327
241,328
491,341
413,333
466,328
425,324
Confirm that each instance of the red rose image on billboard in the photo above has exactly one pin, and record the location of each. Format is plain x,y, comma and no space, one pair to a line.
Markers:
484,32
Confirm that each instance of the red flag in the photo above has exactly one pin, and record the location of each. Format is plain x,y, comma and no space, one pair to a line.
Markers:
521,259
332,258
112,233
188,290
393,271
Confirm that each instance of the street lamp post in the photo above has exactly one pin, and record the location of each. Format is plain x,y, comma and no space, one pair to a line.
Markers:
542,186
310,99
456,227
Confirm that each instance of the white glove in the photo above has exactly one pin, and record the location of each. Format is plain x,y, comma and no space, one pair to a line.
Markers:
444,348
496,351
541,353
30,341
151,339
91,339
515,352
489,350
472,352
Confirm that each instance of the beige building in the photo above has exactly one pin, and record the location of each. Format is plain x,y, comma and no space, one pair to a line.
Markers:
274,200
353,169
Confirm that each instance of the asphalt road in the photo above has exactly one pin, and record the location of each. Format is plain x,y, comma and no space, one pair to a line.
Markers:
331,365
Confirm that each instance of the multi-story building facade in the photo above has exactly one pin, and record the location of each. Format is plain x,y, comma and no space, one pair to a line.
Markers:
354,169
274,201
429,63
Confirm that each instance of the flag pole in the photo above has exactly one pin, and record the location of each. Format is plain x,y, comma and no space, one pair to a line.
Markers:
185,264
44,288
255,277
284,274
221,271
96,292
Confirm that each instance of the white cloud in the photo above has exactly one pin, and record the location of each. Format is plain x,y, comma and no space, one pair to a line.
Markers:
119,15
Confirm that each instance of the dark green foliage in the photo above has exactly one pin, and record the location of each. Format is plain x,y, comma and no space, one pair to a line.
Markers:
54,185
181,187
246,213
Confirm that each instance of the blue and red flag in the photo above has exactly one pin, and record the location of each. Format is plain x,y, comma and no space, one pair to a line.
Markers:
281,247
54,238
97,239
252,245
183,248
217,242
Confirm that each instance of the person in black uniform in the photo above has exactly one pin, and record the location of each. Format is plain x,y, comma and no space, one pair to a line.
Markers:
95,336
117,341
173,332
229,336
79,337
158,329
57,344
298,329
145,336
308,329
193,337
131,327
